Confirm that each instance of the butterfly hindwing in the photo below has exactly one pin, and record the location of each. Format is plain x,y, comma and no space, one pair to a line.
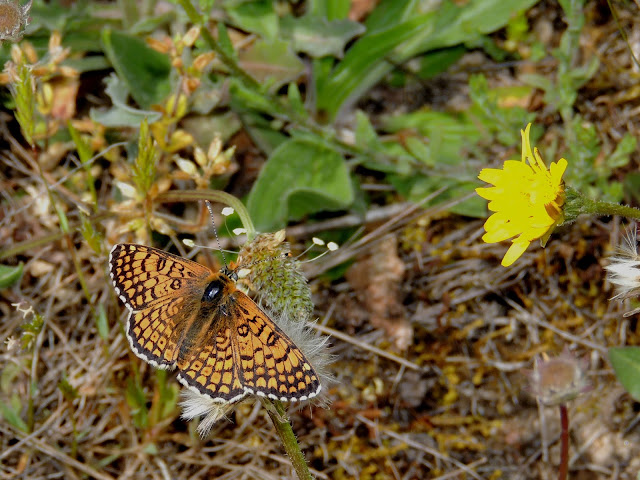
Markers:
270,363
213,370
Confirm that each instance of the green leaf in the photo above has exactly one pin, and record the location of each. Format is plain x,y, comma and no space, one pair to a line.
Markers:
620,157
295,100
503,122
366,135
10,371
9,276
434,63
272,60
121,115
318,37
632,185
257,17
299,178
102,323
447,133
82,147
137,401
245,98
224,42
10,414
626,364
144,70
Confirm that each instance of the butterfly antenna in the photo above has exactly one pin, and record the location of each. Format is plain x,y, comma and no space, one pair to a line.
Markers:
215,231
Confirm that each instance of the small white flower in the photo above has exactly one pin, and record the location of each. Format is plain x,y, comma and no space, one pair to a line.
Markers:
226,211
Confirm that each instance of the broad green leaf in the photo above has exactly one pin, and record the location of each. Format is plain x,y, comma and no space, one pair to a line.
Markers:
626,364
121,115
273,60
256,17
318,37
299,178
144,70
10,275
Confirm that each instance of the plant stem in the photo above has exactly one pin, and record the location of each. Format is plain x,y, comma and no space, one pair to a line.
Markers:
607,208
564,438
578,204
285,432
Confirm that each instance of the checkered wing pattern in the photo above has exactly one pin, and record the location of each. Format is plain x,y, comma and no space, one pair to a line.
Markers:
249,354
160,291
182,314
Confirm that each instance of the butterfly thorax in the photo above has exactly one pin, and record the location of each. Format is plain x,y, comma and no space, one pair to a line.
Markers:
213,315
218,294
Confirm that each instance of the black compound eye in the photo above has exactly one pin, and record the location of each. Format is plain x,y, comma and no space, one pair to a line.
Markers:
212,292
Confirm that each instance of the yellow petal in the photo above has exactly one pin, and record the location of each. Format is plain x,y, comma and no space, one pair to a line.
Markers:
515,251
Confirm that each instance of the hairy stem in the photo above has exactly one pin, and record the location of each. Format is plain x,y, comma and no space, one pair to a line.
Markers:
285,432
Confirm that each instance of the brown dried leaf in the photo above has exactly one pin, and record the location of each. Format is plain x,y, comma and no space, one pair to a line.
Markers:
377,280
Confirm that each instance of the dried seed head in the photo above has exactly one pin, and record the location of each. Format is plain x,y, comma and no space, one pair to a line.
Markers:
13,19
554,381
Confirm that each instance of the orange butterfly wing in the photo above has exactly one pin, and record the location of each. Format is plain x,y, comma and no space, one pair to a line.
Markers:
160,291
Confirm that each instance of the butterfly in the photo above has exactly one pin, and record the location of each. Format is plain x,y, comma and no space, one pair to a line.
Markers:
184,315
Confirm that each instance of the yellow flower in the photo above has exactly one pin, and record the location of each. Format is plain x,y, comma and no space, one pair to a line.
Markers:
527,200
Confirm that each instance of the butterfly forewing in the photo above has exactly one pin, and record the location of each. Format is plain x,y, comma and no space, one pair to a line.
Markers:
143,276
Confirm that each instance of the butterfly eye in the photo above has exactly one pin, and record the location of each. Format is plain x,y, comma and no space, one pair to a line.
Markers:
212,291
